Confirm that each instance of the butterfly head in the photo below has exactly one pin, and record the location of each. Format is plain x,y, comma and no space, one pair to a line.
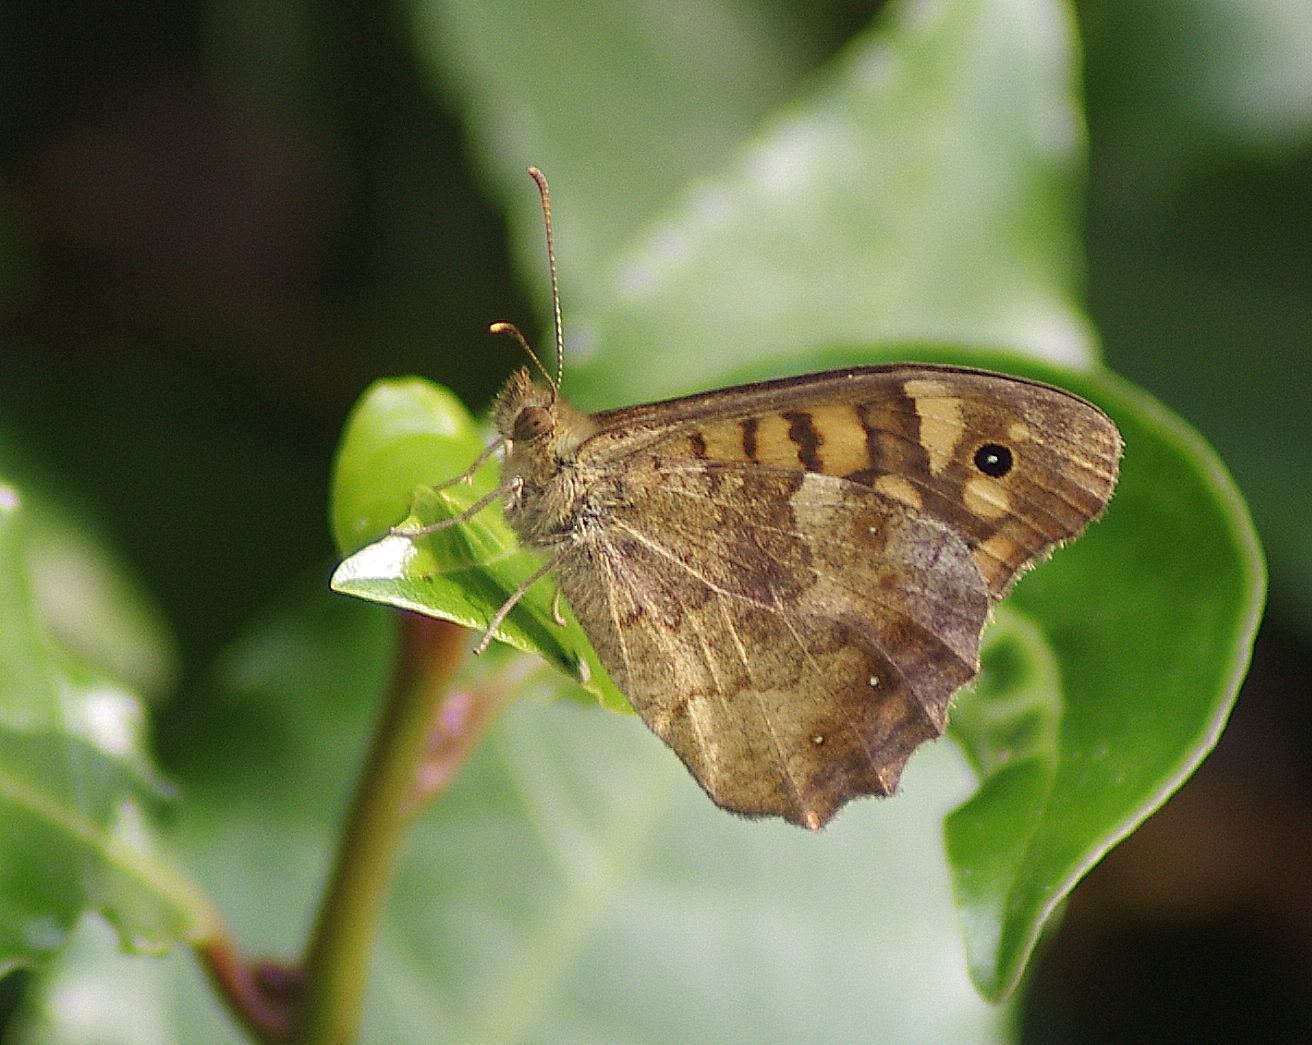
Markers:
540,430
523,410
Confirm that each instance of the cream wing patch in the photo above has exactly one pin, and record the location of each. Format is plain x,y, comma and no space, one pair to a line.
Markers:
986,498
941,424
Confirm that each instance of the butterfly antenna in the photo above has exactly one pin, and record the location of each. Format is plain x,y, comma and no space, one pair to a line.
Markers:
513,331
541,179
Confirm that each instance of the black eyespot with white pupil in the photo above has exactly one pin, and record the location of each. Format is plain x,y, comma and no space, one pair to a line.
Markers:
531,422
993,460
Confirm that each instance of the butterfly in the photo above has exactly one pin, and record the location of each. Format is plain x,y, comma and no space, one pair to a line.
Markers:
789,579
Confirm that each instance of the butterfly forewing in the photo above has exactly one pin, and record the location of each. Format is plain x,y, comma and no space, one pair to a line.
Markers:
1013,466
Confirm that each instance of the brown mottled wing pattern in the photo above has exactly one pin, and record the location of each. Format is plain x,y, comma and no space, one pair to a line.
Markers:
913,433
793,652
789,579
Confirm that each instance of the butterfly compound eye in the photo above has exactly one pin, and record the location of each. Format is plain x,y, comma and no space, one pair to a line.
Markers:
994,460
531,422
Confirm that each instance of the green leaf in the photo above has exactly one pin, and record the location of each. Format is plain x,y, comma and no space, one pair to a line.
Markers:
924,190
1114,673
464,573
75,790
285,729
400,436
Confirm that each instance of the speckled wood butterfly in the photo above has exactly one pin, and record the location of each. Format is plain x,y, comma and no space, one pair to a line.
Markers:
789,579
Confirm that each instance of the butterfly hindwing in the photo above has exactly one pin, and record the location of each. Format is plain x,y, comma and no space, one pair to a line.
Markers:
821,671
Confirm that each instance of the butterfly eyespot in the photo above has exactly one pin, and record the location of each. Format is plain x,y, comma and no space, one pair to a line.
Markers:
531,422
994,460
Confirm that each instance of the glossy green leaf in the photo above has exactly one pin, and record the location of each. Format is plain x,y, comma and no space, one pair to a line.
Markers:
464,573
925,190
1106,683
403,434
75,790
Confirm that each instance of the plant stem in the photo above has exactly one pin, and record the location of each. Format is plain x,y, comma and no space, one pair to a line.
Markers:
262,996
336,963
